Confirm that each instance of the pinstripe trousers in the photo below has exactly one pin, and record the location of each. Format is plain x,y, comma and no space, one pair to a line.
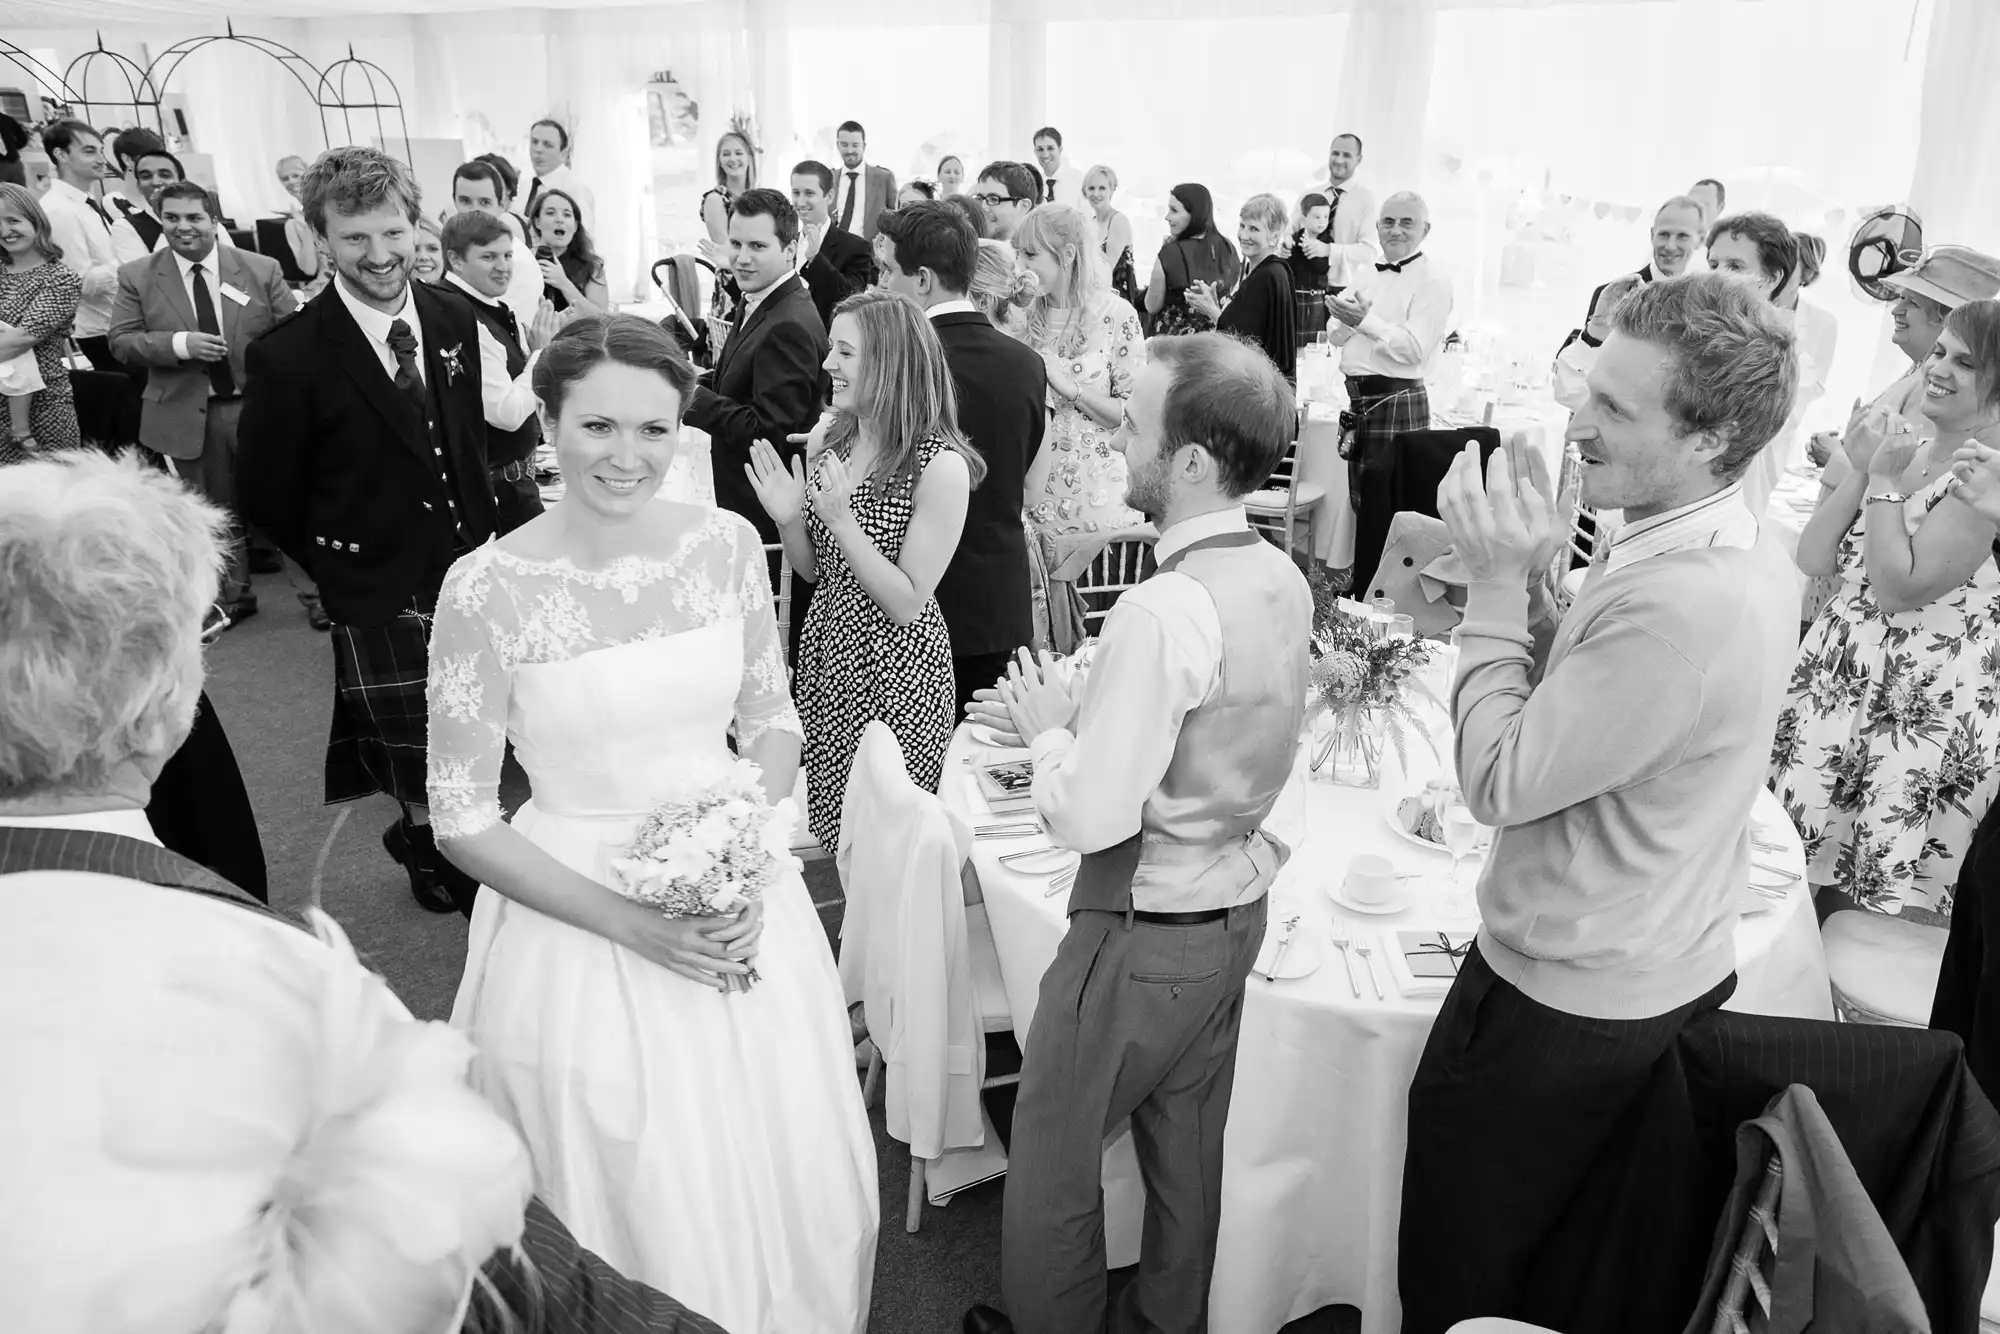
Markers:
1524,1125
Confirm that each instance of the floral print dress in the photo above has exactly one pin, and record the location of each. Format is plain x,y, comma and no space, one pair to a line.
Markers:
1085,492
1887,751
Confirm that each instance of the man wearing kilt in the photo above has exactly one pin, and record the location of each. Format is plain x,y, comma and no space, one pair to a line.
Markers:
363,445
1388,325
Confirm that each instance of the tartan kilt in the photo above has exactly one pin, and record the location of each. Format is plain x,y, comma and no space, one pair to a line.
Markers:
1369,427
378,740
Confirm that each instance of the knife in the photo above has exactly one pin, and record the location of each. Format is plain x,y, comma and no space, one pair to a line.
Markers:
1284,943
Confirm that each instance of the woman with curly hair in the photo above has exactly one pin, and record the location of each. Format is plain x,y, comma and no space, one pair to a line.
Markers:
1888,747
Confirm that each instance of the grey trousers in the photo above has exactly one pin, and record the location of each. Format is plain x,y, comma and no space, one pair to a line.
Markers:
1137,1022
214,476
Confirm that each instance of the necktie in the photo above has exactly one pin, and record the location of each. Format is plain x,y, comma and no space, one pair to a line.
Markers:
220,382
97,207
534,188
510,321
1333,213
1049,191
847,209
1397,267
404,344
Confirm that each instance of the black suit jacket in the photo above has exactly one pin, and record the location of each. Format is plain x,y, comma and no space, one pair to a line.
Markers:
1003,410
844,265
768,384
338,468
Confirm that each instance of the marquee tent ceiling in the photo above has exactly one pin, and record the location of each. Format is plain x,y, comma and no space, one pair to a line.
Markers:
19,15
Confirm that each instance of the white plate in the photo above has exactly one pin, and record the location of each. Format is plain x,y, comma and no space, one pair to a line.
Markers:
1389,818
1338,894
1301,960
986,736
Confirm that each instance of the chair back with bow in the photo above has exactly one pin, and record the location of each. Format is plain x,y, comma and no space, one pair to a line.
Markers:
1086,574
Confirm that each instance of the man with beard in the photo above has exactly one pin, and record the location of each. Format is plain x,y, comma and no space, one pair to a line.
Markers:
1160,771
363,444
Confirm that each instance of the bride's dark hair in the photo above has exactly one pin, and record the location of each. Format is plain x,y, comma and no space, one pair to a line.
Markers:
588,343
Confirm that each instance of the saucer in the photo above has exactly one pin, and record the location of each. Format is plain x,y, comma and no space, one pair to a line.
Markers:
986,736
1398,903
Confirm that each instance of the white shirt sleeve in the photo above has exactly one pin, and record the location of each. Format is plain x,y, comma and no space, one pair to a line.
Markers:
508,401
1353,258
1410,343
1157,660
125,243
100,277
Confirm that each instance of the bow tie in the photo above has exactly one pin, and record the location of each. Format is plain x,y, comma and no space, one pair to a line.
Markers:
1397,267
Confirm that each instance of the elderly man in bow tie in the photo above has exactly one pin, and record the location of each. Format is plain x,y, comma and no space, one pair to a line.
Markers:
1388,326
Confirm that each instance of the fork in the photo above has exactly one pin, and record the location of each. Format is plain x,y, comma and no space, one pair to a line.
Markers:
1368,967
1063,880
1341,941
1007,831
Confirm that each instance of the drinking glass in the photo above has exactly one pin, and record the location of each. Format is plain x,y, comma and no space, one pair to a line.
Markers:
1402,627
1461,839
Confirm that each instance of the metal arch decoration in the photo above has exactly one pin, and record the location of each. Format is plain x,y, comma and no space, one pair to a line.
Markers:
168,63
335,80
142,94
45,78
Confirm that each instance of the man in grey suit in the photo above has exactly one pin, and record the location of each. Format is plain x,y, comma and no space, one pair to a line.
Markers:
187,312
860,192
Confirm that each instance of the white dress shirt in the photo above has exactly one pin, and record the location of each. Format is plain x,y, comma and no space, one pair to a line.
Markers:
565,180
1068,184
375,327
85,239
212,274
128,822
524,290
1353,252
1408,316
957,306
859,181
509,400
1159,657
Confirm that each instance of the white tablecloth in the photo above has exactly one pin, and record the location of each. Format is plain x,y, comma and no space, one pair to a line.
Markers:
1320,462
1313,1184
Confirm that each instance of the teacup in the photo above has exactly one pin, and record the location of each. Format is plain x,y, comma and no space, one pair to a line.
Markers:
1371,880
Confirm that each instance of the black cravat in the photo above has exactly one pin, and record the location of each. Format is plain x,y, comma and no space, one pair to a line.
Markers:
1049,191
220,382
534,188
1397,267
404,344
509,319
97,207
847,209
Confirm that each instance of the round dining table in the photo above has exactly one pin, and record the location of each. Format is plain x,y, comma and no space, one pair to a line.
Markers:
1312,1181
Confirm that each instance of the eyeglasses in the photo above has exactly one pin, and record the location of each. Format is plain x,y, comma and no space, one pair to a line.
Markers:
994,201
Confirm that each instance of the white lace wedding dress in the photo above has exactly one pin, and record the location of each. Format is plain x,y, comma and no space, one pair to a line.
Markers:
714,1146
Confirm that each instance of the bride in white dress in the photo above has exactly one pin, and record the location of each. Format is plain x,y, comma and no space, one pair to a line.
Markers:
712,1144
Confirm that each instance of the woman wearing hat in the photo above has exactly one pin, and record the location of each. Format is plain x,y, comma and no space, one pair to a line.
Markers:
1888,746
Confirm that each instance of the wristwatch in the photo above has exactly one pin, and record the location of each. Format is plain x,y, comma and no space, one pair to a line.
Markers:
1889,497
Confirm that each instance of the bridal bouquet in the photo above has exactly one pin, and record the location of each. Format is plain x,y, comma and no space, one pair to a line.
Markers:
709,848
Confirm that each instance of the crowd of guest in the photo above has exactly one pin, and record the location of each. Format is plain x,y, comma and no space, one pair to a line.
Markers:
915,396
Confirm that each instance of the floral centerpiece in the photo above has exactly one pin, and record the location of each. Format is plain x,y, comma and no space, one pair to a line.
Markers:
710,848
1358,692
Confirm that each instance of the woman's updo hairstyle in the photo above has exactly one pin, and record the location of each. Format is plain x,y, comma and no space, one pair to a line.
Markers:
589,342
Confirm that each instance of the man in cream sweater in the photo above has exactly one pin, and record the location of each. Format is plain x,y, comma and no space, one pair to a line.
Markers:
1618,754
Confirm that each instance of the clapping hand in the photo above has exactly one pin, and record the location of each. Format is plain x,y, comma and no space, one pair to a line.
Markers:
1349,308
548,322
988,708
780,490
1314,248
1201,299
814,441
1038,695
1977,468
831,499
1613,296
1503,528
1866,438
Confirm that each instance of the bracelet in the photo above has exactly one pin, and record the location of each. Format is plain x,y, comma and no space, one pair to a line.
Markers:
1888,497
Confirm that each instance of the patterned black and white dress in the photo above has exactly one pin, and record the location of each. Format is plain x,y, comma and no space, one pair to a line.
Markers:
856,665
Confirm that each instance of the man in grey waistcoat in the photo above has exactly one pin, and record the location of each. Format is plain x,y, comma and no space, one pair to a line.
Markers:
1160,768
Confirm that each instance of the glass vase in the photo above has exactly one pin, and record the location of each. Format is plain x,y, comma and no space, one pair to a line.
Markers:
1347,746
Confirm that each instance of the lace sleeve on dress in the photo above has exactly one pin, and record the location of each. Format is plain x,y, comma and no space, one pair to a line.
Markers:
1127,352
469,688
764,699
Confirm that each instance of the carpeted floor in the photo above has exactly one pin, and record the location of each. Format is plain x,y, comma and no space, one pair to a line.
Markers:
270,680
